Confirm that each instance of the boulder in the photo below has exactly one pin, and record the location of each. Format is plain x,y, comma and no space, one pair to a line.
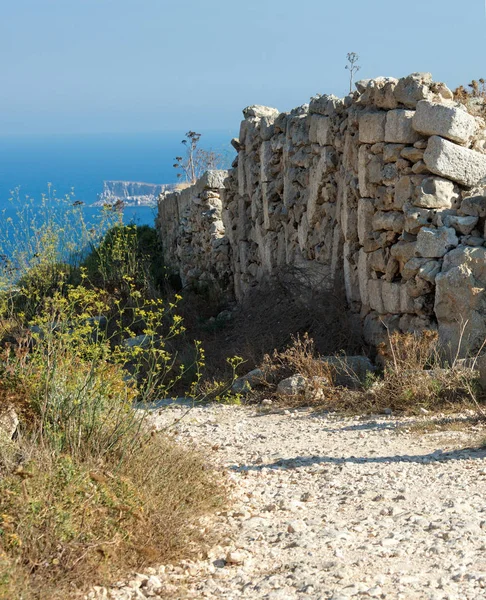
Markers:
213,179
449,160
292,386
449,122
244,384
434,243
413,88
349,370
398,128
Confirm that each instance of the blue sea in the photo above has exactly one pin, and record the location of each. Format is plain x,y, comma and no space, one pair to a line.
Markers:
81,163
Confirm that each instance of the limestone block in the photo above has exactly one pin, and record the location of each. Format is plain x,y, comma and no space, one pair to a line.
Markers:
420,168
389,298
410,90
463,225
374,170
320,130
213,179
429,270
377,260
266,156
415,218
351,273
372,127
375,299
434,243
449,122
449,160
392,269
403,191
403,251
412,154
388,221
258,111
460,300
474,206
398,129
391,152
297,130
412,267
366,211
436,192
378,92
364,275
363,160
377,148
417,287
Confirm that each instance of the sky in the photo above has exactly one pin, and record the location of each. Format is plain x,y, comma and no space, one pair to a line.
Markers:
88,66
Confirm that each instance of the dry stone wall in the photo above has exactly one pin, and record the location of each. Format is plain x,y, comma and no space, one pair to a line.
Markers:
382,192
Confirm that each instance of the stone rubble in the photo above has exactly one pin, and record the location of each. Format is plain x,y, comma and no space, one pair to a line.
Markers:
346,192
331,508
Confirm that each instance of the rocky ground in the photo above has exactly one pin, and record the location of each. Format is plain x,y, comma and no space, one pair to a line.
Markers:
328,507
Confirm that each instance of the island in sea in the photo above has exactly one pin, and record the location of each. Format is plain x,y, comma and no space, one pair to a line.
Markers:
132,193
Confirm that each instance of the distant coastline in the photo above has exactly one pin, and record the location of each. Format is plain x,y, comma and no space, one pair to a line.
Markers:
132,193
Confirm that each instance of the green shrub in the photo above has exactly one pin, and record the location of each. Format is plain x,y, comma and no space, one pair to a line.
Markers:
131,251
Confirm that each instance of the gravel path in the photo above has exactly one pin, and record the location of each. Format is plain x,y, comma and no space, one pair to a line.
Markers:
332,508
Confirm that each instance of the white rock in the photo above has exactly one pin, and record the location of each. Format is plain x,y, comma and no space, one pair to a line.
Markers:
449,122
9,421
366,211
320,130
413,88
436,192
398,129
389,221
236,557
372,127
463,225
449,160
259,111
434,243
296,384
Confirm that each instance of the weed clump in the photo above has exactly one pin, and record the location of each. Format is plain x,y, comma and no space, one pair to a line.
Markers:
87,491
414,376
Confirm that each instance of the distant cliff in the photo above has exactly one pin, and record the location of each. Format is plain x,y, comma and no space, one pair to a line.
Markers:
132,193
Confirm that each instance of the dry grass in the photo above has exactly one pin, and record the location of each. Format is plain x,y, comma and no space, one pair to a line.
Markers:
66,525
412,379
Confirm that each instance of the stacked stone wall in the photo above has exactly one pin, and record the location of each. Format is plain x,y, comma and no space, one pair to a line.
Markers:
380,192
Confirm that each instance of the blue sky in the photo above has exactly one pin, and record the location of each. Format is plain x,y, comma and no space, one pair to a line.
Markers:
70,66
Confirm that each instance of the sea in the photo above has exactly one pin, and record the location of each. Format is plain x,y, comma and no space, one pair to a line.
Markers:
33,165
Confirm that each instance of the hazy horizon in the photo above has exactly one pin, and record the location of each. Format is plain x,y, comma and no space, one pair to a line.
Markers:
120,67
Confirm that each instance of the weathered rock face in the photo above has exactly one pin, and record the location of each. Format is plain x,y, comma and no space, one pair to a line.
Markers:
193,235
372,193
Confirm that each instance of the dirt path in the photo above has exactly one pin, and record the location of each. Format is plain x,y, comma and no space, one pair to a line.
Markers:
333,508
